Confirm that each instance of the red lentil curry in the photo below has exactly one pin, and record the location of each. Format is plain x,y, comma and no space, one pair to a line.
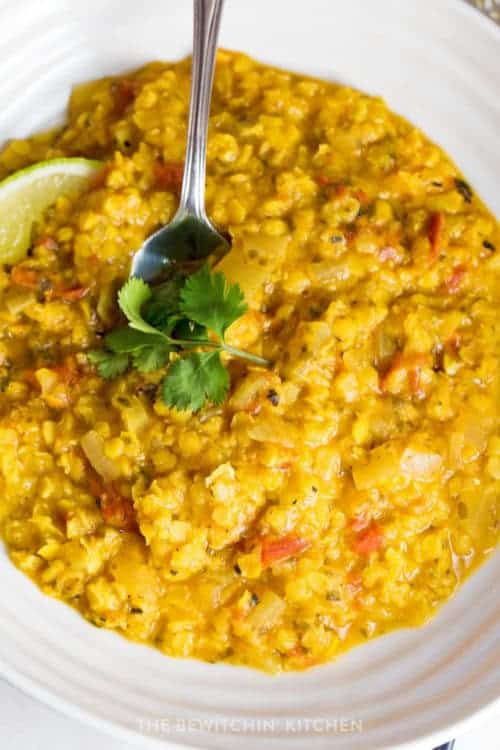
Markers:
344,492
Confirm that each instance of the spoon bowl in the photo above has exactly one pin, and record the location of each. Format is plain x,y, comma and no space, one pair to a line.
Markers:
179,247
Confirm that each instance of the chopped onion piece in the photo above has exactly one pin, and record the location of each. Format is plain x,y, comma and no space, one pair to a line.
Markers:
267,613
420,465
93,447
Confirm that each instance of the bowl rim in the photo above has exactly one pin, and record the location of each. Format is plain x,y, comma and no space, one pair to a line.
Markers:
138,739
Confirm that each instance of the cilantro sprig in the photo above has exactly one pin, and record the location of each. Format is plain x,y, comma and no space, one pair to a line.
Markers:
186,317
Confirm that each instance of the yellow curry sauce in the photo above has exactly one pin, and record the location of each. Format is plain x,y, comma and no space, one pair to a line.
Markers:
343,493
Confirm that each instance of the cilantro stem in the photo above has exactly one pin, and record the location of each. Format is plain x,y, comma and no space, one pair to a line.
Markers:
192,343
245,355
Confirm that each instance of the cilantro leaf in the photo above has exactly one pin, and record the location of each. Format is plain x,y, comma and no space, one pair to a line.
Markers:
190,331
195,379
210,301
174,316
150,358
127,339
131,297
109,364
163,304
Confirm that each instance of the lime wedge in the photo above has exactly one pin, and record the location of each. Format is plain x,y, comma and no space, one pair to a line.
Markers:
27,194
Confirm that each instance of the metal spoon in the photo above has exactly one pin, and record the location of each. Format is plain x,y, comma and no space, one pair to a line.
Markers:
190,237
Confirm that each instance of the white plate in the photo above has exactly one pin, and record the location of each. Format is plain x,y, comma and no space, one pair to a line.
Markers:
436,62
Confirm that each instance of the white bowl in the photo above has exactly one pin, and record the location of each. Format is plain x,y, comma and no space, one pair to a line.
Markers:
437,63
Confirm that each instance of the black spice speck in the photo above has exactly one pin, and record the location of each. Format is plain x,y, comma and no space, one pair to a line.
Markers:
332,596
464,189
273,397
149,391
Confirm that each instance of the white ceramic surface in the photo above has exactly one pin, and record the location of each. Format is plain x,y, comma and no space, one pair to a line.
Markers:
27,724
438,63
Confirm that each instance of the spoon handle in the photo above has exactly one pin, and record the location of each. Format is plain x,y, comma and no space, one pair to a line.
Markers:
207,16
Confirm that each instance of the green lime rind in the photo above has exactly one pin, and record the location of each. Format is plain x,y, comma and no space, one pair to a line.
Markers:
26,195
77,165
